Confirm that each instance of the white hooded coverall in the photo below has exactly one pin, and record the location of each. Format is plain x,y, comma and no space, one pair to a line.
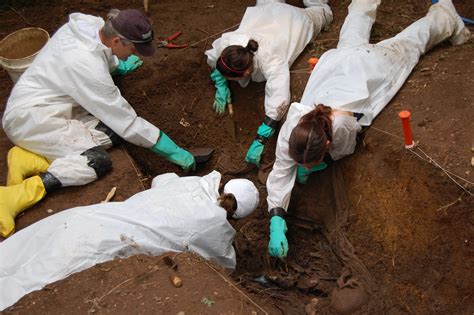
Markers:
359,77
282,31
57,103
177,214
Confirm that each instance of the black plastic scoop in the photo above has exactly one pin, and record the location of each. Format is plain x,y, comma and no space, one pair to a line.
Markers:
201,155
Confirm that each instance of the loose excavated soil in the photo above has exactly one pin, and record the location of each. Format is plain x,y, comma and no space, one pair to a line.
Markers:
399,224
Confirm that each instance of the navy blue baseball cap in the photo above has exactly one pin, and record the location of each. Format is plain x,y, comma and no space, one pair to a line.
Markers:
135,27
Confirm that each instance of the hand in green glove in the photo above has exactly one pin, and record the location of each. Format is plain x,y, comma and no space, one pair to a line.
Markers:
125,67
222,92
254,154
302,174
169,150
278,245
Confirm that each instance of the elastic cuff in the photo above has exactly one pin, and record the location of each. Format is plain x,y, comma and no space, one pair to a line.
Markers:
263,140
278,211
50,182
270,122
115,138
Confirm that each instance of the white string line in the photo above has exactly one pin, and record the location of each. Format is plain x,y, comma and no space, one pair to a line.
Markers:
432,161
388,133
445,171
429,158
453,174
210,36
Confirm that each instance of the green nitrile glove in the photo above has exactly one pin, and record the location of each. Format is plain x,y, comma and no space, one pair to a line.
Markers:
302,174
222,92
125,67
169,150
254,154
278,245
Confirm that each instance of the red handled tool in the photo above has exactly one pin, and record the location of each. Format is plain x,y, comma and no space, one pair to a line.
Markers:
168,44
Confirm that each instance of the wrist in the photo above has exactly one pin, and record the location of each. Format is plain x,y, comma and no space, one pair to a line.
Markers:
264,132
164,146
217,77
272,123
277,211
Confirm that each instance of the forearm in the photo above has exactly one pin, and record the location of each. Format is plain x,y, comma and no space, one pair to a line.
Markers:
277,93
102,99
280,183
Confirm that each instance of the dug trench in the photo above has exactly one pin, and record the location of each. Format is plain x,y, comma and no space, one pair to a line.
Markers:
399,224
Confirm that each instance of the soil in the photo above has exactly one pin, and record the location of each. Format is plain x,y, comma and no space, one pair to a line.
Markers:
410,223
144,283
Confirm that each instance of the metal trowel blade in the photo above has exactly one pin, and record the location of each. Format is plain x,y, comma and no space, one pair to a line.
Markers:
201,155
230,127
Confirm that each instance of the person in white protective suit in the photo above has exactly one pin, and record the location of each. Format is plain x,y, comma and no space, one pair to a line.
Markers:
67,109
348,88
177,214
270,37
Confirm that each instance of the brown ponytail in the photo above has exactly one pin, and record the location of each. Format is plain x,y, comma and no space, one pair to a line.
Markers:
235,59
308,140
229,203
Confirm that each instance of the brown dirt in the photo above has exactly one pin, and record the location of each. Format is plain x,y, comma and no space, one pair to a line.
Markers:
410,224
143,283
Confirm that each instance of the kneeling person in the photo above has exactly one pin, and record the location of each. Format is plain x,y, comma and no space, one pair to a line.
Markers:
66,108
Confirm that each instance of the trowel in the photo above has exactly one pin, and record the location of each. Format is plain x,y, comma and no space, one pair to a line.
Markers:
201,155
229,122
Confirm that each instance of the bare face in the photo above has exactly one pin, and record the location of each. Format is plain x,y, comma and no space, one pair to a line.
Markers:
246,74
121,50
309,166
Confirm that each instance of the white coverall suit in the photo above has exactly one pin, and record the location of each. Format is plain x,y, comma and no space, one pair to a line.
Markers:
282,31
58,102
177,214
359,77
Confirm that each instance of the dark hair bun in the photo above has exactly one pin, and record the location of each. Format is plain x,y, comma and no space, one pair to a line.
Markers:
252,46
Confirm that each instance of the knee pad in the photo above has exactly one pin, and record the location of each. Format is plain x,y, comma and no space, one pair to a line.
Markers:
99,160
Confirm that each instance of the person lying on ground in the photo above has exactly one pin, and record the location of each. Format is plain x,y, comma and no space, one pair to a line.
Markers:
270,37
66,108
348,88
177,214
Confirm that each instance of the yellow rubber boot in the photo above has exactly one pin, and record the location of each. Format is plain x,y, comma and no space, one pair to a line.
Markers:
23,164
14,199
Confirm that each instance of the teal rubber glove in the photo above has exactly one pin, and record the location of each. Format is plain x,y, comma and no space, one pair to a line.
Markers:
278,245
169,150
222,92
125,67
254,154
302,174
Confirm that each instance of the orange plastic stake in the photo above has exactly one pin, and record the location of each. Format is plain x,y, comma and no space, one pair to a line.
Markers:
405,117
312,62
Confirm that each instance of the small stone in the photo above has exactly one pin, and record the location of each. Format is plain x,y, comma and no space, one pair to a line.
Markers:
472,161
50,210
